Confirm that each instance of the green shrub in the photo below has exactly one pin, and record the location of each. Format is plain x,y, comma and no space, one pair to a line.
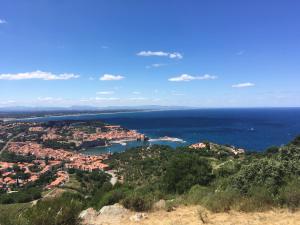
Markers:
173,203
22,196
63,210
221,201
110,198
186,170
264,172
258,199
289,195
138,203
196,194
272,150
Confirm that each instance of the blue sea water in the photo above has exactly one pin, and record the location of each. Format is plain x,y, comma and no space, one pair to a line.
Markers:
254,129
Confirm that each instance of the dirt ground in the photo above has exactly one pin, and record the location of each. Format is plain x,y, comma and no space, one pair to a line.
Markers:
192,215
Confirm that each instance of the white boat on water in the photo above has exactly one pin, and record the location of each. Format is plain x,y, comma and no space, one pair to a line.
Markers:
123,143
166,138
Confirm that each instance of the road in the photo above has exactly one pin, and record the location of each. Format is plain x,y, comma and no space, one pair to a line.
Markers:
9,141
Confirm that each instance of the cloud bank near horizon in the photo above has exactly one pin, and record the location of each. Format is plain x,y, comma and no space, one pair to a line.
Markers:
38,75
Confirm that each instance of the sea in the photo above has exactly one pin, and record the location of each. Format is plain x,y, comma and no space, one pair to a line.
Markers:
253,129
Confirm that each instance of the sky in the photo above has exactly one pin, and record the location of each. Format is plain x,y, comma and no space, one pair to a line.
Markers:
202,53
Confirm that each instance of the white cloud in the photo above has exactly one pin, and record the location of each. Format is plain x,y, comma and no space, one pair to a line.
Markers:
7,102
138,99
2,21
136,92
175,55
155,65
105,92
243,85
99,99
106,77
104,47
38,75
50,100
106,99
187,77
171,55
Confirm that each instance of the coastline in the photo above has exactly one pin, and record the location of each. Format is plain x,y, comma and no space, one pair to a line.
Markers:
80,114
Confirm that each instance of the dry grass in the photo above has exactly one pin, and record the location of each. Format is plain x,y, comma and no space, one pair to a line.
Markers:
190,216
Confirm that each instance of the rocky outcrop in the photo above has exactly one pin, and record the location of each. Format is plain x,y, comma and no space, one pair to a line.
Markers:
115,210
191,215
111,214
88,216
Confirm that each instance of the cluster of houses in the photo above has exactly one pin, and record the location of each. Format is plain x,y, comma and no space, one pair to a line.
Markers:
71,159
84,138
198,146
51,135
56,161
9,177
110,133
61,178
231,149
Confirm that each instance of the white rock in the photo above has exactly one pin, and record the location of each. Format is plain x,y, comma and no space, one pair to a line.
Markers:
88,214
138,217
113,210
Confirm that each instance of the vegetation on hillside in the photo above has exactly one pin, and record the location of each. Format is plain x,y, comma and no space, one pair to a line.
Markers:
214,178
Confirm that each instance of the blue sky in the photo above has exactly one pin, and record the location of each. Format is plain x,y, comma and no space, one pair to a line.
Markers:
137,52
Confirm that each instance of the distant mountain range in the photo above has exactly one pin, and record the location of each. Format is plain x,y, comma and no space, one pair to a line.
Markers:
89,108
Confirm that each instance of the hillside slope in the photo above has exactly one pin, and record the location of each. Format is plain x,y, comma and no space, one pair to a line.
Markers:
190,216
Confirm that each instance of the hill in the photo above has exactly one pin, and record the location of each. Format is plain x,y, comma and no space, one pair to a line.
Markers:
207,184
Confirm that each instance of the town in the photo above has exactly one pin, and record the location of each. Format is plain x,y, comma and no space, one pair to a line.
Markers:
30,150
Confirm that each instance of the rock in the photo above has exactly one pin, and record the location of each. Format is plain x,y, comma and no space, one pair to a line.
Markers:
161,204
138,217
88,215
113,210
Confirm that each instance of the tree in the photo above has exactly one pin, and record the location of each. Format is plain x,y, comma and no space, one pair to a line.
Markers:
186,170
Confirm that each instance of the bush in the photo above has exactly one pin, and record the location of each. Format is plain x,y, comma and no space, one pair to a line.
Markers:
289,195
259,199
226,169
138,203
196,194
22,196
63,210
186,170
110,198
264,172
272,150
221,201
10,214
